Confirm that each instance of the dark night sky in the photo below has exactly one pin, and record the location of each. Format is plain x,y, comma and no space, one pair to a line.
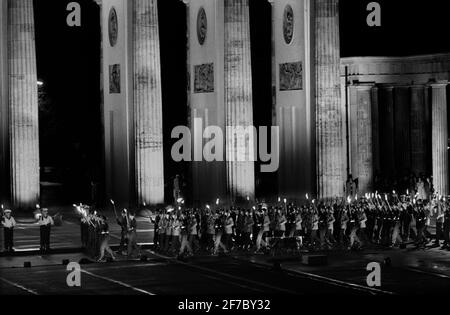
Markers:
68,63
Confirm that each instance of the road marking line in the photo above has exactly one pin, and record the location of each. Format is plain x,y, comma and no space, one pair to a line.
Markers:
341,283
19,286
233,283
330,280
227,275
130,266
435,274
117,282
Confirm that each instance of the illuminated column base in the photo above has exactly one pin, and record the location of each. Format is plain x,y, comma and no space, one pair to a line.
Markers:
23,105
149,161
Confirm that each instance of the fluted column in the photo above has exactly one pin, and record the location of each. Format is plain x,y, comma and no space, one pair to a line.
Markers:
4,125
149,165
375,132
23,104
362,158
238,99
440,138
329,119
418,130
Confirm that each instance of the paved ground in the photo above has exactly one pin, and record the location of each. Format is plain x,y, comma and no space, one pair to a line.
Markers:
237,275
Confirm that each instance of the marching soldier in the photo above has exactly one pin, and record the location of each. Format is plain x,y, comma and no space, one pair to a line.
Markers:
131,234
122,222
8,224
104,239
343,223
314,237
185,233
176,233
439,226
446,228
45,224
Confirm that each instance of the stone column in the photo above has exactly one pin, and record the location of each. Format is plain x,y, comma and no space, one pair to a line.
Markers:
4,125
23,105
440,138
238,99
386,119
361,137
418,130
375,132
149,163
329,118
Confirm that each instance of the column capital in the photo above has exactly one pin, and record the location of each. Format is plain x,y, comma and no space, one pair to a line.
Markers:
363,86
439,84
271,2
186,2
99,2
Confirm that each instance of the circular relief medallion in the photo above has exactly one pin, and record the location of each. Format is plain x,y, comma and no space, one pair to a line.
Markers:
288,24
113,28
202,26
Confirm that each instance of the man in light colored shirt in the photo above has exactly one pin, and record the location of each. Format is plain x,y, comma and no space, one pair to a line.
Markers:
45,223
8,224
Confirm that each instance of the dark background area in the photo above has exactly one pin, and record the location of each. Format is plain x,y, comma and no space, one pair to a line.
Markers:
69,62
409,27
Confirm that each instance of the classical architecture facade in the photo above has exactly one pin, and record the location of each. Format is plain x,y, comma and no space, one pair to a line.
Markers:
398,117
395,120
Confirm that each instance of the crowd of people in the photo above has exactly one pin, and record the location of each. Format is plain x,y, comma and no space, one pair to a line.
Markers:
95,233
388,220
351,224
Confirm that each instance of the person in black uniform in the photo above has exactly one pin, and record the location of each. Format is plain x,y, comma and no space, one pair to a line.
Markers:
122,222
446,229
8,223
45,224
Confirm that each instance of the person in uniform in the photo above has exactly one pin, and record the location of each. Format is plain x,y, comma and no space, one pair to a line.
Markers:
210,231
122,222
131,234
45,224
185,233
176,233
156,228
439,225
104,239
329,236
219,227
344,219
8,224
193,232
314,221
248,227
176,188
228,236
446,229
264,223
